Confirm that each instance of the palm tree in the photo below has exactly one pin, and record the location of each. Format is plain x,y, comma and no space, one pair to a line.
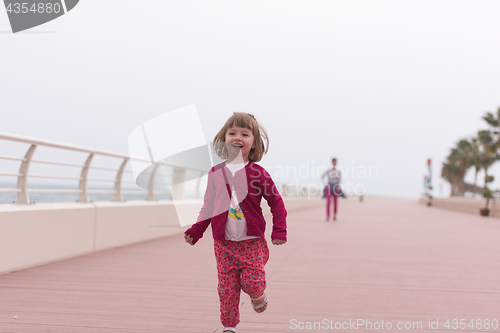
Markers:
451,173
494,121
489,155
457,164
474,155
490,140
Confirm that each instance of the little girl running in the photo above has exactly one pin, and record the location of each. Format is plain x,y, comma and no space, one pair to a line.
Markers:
232,205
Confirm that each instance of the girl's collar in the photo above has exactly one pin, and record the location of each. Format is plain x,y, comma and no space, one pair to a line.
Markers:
223,165
237,164
246,166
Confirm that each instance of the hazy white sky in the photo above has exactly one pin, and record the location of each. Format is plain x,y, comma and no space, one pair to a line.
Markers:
383,84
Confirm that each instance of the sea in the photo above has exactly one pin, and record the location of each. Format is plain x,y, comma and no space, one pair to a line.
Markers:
11,197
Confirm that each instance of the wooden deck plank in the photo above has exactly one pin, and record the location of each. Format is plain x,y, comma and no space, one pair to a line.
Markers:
385,259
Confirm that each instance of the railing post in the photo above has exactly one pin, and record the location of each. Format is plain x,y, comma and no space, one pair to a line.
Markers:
284,192
198,196
22,180
178,177
118,181
151,184
84,196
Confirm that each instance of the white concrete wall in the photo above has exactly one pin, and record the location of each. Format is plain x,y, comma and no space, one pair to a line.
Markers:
32,235
36,234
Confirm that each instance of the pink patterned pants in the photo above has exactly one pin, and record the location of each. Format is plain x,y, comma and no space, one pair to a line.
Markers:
331,196
240,266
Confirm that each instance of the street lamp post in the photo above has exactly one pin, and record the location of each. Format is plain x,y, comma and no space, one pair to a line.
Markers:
428,185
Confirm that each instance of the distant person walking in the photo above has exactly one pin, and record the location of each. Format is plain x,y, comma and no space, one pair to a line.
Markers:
332,178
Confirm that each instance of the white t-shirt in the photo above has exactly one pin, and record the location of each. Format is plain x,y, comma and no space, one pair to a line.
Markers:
236,225
233,167
332,176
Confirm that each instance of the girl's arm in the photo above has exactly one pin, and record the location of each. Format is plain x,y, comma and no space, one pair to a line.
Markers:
206,213
275,202
323,178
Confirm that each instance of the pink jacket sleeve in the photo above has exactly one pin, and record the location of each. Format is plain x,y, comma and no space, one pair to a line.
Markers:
275,202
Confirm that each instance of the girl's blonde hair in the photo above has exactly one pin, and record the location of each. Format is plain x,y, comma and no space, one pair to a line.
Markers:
246,120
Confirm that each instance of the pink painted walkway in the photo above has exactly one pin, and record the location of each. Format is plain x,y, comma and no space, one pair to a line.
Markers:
383,260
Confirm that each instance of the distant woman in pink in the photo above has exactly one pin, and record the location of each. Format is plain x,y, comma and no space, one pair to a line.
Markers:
232,206
332,178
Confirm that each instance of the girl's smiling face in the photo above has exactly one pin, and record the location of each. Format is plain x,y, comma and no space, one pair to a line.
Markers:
239,140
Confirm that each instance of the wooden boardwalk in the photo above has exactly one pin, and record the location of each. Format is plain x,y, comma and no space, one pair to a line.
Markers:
384,260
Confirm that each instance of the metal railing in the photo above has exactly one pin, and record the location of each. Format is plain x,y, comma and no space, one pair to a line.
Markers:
22,175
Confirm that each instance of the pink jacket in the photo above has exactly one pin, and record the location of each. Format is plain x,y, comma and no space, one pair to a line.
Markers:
252,188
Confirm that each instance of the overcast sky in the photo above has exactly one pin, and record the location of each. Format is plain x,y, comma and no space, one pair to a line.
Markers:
381,84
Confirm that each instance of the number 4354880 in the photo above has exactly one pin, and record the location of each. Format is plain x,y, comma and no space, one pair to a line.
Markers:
473,324
35,8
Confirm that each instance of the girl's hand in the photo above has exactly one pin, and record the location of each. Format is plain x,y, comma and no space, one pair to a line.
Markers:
188,239
278,242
